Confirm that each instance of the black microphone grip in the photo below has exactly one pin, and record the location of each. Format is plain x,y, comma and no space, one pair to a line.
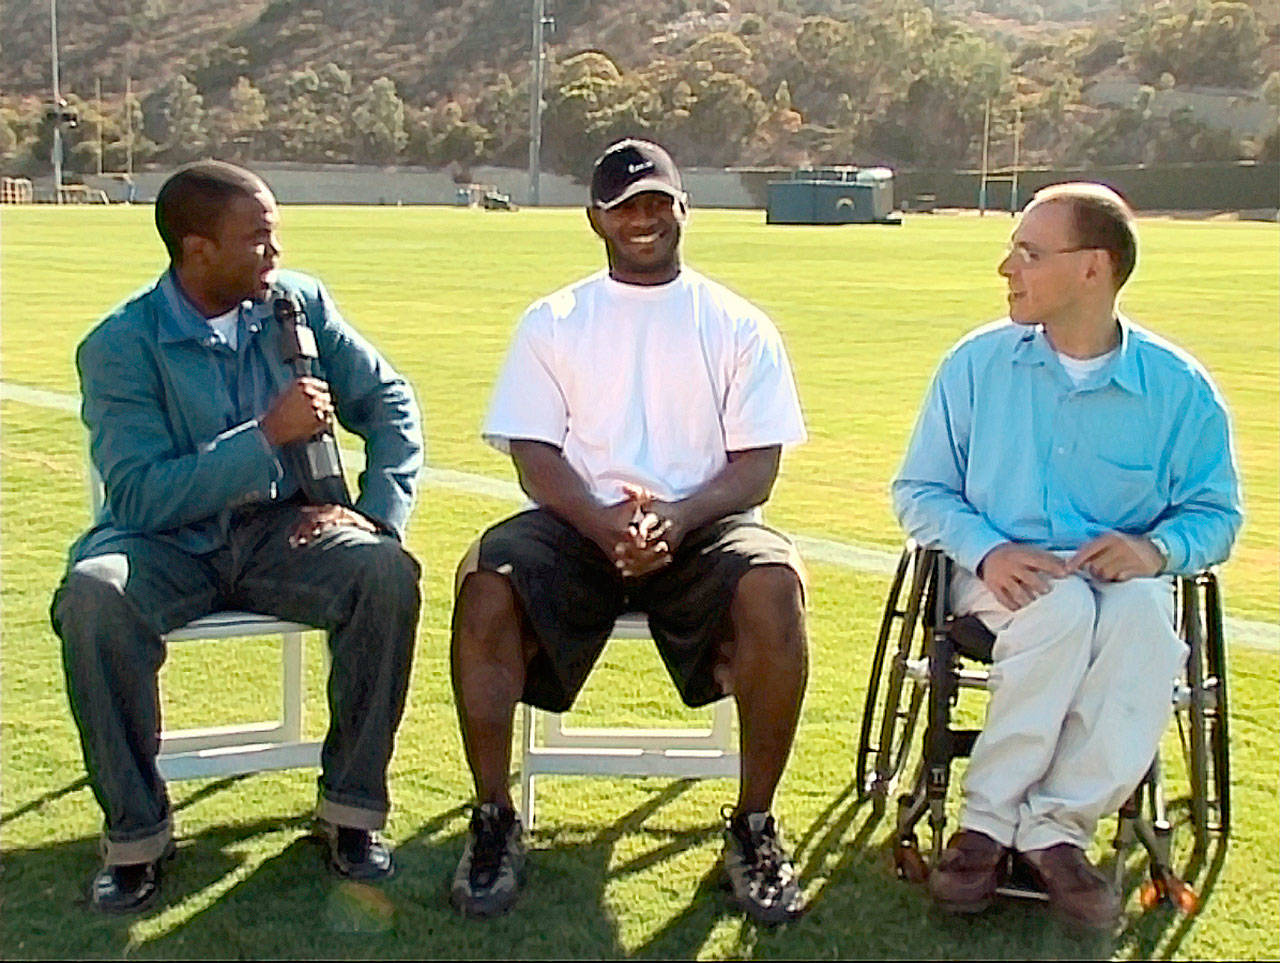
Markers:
317,461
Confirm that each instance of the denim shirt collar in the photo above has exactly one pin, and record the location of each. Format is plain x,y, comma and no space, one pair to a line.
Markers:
1123,369
184,322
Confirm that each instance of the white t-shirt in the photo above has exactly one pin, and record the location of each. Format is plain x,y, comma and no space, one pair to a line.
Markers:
1078,369
648,385
227,325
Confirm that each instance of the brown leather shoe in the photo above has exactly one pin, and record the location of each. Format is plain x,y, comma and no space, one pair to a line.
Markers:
1077,890
968,872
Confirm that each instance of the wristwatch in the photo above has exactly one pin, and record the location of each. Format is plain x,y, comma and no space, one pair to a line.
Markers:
1162,548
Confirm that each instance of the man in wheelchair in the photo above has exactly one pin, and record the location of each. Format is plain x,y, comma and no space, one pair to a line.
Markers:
1070,463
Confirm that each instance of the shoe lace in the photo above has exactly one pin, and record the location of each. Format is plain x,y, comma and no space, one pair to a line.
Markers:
765,854
490,830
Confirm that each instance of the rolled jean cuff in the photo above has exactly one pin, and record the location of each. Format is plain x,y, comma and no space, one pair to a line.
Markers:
138,848
353,817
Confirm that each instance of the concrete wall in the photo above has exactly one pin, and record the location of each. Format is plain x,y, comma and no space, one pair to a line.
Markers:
342,184
1225,186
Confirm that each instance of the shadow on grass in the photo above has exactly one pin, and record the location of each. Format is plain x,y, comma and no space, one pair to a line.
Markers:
1160,932
53,795
259,890
45,907
865,911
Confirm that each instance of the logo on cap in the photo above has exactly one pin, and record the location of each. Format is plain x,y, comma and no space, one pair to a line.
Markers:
630,167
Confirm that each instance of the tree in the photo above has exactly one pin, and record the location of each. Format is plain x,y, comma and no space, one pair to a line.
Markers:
236,128
590,102
724,51
311,116
379,117
8,139
174,118
503,110
723,116
443,136
1217,43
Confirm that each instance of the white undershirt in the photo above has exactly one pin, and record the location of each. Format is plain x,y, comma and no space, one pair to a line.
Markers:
1078,369
227,325
650,385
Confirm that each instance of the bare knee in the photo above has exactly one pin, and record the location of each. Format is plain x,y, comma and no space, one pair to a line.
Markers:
768,615
486,615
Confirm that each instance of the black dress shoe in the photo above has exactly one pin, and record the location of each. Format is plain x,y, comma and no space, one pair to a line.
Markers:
127,888
356,854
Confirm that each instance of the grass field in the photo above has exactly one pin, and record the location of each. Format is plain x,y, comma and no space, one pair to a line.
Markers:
621,867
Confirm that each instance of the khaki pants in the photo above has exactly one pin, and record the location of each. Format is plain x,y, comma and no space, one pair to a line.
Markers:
1081,694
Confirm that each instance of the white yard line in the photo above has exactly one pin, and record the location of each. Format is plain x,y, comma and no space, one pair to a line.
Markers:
1245,633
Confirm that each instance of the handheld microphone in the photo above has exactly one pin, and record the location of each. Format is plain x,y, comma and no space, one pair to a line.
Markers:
317,461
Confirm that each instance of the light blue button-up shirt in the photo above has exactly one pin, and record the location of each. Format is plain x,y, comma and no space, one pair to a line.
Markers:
172,412
1008,449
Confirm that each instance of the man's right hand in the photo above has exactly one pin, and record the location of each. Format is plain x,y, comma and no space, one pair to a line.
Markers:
1019,574
300,411
615,528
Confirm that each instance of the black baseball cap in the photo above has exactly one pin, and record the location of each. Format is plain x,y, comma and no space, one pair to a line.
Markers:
630,167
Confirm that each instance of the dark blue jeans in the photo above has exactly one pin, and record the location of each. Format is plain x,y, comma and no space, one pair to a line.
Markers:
112,608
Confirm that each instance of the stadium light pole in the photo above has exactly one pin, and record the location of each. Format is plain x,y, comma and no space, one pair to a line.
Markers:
57,103
535,100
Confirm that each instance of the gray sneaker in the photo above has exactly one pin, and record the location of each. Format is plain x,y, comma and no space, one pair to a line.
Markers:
491,870
759,869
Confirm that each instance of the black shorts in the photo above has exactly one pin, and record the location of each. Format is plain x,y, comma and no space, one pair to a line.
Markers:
572,594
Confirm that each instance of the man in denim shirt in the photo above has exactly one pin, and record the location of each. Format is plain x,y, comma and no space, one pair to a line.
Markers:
194,418
1069,461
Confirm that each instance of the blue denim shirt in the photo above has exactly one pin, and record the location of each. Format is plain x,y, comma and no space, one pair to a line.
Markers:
1008,448
172,412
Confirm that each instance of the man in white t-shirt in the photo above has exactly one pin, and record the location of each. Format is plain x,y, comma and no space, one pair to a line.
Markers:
645,409
1069,462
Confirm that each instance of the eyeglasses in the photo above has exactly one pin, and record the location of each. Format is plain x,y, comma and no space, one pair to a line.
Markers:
1026,255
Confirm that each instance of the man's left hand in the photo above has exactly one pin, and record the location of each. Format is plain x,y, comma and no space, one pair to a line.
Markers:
318,519
656,532
1116,557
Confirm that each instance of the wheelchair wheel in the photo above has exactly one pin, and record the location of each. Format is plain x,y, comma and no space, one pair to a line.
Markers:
1216,664
1203,722
888,722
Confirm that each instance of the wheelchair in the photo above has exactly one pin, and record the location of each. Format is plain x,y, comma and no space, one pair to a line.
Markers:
925,656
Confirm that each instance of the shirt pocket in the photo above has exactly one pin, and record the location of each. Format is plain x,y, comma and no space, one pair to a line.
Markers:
1119,494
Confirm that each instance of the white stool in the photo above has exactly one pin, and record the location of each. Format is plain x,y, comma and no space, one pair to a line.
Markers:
620,751
235,750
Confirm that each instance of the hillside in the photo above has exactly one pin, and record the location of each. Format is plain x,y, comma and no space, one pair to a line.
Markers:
723,81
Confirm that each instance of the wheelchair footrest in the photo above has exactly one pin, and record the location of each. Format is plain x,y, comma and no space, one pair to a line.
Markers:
1019,882
1169,888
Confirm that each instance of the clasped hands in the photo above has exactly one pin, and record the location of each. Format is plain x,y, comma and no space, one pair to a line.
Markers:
641,532
1019,574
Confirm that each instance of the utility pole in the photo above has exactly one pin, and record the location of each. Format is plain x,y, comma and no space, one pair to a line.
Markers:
537,63
128,119
97,93
1017,146
57,103
982,181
